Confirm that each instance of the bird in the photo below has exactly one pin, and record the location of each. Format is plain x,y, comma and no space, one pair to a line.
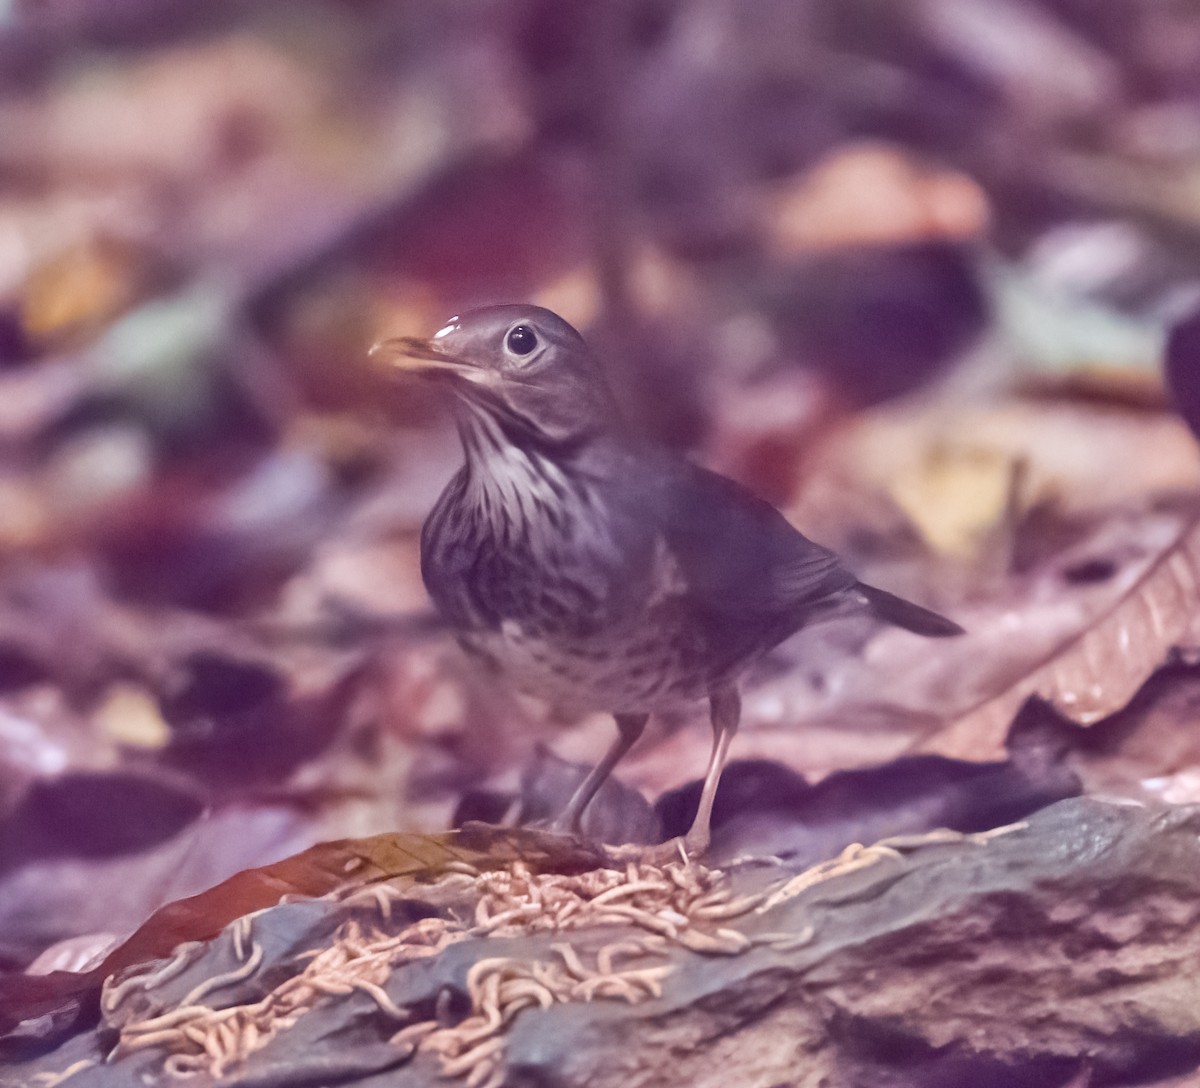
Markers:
596,569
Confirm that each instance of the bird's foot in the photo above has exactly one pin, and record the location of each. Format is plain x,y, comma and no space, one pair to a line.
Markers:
562,845
559,836
683,849
555,845
562,825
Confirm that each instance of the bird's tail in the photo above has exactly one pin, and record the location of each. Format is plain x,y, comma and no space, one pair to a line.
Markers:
902,613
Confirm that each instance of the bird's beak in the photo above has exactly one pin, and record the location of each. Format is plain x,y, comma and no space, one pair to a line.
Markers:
416,356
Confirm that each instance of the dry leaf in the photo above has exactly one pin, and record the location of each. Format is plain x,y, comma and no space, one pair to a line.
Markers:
957,502
874,193
1096,672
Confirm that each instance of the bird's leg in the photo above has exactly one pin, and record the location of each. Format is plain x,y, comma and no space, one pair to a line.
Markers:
629,728
725,708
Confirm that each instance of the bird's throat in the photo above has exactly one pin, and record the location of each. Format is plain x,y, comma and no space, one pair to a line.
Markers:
517,486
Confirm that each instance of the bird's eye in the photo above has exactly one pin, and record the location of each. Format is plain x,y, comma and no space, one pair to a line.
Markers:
521,340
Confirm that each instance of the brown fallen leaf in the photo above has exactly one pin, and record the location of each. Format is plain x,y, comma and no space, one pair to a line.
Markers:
313,872
873,192
1096,671
1083,457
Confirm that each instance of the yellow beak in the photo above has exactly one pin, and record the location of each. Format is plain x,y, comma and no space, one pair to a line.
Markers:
417,356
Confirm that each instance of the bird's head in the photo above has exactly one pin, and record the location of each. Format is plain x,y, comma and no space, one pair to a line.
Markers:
521,368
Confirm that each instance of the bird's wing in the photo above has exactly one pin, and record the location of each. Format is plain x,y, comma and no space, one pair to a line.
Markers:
737,553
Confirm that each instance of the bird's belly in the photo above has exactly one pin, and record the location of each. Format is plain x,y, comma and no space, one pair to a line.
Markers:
631,673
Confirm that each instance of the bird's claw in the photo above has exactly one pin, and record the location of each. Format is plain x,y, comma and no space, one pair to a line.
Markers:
674,850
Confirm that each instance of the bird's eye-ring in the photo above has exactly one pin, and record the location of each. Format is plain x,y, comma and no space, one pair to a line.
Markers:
521,340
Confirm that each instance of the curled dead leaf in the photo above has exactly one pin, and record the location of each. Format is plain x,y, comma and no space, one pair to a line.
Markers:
1096,670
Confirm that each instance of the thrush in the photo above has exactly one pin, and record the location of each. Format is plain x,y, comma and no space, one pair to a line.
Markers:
595,569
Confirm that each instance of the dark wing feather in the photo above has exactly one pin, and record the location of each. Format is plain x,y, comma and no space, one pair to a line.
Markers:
745,566
737,553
